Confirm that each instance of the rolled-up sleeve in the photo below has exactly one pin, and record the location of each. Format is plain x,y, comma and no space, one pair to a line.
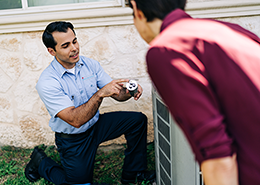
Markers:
192,102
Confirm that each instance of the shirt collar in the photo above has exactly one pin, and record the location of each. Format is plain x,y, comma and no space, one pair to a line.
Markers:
61,70
174,16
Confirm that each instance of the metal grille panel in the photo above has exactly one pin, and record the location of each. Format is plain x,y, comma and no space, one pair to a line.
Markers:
175,163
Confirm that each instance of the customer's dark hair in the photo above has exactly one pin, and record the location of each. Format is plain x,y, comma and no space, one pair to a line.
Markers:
158,8
60,26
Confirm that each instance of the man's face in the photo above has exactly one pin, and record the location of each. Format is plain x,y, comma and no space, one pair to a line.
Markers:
141,24
67,48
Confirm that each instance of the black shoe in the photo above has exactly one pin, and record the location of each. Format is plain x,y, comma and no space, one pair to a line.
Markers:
133,177
31,169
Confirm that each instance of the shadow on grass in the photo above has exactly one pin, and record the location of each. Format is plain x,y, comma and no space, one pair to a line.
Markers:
108,164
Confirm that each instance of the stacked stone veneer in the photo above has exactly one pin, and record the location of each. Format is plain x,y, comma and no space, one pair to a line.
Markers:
119,49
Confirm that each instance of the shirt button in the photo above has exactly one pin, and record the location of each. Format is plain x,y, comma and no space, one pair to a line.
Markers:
81,91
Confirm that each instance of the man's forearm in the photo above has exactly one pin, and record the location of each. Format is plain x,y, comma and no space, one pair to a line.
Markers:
82,114
221,171
87,110
122,96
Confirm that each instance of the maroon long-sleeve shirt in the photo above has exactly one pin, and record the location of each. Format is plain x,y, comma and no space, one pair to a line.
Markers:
208,74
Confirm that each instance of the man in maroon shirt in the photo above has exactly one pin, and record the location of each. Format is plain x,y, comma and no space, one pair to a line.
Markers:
208,74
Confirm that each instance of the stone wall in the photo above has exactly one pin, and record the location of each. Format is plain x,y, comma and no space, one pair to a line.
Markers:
119,49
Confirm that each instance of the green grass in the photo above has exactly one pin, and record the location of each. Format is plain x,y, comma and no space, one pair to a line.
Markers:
108,164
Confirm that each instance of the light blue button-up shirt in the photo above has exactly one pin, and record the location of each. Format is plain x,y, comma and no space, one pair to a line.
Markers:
60,89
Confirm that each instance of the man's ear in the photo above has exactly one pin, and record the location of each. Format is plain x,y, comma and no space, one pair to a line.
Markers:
51,51
137,13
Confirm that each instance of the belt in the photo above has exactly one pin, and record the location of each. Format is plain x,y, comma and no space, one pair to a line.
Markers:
69,136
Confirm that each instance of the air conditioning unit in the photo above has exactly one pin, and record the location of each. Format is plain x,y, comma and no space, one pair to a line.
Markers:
175,164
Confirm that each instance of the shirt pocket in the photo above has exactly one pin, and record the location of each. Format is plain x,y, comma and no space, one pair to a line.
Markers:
90,84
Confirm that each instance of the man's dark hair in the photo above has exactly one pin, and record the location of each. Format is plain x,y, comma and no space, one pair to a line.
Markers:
60,26
158,8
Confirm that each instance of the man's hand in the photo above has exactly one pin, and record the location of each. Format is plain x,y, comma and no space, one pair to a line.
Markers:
139,92
221,171
113,88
